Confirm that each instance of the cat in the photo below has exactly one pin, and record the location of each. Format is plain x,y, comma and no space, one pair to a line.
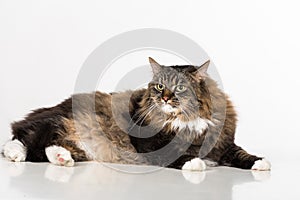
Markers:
182,120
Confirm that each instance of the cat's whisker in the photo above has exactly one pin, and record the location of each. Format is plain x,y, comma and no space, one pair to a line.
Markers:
191,107
144,113
150,110
186,115
139,114
190,110
142,116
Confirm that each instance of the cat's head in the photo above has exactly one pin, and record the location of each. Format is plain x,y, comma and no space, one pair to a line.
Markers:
176,90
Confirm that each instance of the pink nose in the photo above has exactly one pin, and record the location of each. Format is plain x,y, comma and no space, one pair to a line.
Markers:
165,99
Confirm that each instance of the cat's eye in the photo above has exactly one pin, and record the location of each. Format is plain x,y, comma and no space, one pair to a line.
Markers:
180,88
159,87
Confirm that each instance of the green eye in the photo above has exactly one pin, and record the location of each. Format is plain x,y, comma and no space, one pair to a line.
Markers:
180,88
159,87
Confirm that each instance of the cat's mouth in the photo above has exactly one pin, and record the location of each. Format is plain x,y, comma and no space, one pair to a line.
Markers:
169,109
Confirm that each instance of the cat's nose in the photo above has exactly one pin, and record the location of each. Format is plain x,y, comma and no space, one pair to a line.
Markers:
165,98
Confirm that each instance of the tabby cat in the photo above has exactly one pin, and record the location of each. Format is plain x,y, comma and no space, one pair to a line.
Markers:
181,120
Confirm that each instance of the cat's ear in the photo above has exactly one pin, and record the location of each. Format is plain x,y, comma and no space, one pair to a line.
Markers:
155,66
201,72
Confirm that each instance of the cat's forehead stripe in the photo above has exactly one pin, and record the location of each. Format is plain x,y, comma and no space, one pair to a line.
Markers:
170,78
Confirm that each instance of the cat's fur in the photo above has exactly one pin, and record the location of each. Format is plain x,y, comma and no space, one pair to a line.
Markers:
182,114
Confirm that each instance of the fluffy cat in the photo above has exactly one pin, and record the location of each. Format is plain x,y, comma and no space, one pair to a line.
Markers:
182,120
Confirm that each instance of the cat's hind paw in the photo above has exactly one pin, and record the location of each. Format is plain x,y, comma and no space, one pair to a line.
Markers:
195,164
15,151
59,156
261,165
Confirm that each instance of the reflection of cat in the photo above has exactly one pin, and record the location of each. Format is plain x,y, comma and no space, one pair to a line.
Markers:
180,116
94,179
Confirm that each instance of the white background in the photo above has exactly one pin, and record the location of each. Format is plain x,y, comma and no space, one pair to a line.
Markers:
255,46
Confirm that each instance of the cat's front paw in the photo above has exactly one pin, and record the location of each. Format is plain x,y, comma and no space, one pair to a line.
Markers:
59,156
261,165
195,164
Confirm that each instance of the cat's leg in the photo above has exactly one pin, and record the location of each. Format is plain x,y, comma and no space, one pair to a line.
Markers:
35,135
58,155
76,149
238,157
15,151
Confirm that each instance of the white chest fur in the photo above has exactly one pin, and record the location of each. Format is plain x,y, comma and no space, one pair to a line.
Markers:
198,125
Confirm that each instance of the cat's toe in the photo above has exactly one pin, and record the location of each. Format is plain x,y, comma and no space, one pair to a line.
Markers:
195,164
59,156
261,165
65,159
14,151
15,156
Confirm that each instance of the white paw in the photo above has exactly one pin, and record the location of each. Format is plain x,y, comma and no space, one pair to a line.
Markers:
15,151
195,164
261,165
59,156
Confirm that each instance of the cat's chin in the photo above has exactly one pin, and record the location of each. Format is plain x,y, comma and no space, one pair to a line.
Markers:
169,110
